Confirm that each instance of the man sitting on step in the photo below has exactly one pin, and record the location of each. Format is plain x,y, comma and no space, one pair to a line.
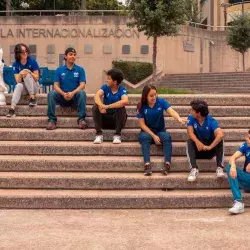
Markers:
239,178
205,139
69,85
111,113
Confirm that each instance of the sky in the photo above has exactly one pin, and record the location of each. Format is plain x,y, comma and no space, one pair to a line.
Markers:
123,1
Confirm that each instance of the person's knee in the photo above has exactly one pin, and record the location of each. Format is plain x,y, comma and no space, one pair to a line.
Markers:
121,110
144,137
81,94
52,94
95,109
19,87
165,137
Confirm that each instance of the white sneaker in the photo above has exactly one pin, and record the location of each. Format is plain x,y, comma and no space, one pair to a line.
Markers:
237,208
219,172
98,139
117,139
193,174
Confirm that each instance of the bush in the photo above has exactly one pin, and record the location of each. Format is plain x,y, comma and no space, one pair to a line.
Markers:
134,72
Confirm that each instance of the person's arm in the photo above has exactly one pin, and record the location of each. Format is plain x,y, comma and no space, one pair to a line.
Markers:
218,137
176,116
58,89
34,74
79,88
122,103
18,78
233,158
193,137
145,128
98,98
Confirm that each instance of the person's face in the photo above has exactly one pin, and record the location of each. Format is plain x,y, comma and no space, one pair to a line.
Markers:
23,53
248,140
151,98
70,57
195,114
110,81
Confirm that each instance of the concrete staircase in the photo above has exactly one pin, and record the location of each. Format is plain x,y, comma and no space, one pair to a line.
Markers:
64,169
237,82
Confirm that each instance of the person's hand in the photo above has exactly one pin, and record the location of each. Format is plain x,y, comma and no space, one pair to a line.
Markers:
157,140
24,73
199,145
70,95
233,171
248,168
103,106
182,121
102,111
65,96
207,148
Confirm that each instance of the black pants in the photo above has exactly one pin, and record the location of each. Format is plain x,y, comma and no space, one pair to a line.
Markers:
115,120
193,153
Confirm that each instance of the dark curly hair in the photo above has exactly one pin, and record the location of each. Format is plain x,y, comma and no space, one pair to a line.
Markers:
200,106
116,75
18,50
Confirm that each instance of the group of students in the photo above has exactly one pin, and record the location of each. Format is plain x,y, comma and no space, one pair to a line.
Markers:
109,112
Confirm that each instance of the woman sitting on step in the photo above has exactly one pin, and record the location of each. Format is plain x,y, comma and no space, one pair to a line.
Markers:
151,120
26,72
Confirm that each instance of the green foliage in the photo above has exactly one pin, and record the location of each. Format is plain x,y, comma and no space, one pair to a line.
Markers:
134,72
238,34
157,17
192,11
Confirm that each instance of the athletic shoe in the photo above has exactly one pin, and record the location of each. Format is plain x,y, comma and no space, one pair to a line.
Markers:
82,124
98,139
165,169
219,172
117,139
237,208
51,126
11,113
193,174
32,102
147,169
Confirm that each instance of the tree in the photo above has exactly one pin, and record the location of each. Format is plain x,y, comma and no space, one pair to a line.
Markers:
193,11
238,35
157,18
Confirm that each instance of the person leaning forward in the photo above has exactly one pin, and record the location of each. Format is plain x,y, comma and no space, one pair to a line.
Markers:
69,85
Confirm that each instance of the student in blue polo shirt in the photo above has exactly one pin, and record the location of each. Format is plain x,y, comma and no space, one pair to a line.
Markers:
110,113
205,139
26,72
69,85
239,178
151,120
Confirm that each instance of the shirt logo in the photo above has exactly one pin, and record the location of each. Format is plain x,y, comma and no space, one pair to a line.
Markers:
108,95
125,91
247,154
76,74
63,74
207,128
195,125
159,109
145,111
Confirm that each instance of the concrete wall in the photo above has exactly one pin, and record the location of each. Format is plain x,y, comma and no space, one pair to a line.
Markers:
205,51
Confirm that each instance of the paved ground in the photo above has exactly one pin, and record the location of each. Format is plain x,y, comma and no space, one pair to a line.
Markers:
124,229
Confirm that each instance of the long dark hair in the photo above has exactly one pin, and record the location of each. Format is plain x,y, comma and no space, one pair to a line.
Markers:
18,50
144,96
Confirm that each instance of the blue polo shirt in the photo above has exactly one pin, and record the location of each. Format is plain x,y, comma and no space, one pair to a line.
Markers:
31,64
69,79
204,132
154,117
110,97
245,150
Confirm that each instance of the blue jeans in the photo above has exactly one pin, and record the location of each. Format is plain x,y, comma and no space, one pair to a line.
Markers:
241,181
146,140
79,101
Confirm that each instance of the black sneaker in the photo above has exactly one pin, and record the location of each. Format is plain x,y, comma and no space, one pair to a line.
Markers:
147,170
165,169
32,102
11,113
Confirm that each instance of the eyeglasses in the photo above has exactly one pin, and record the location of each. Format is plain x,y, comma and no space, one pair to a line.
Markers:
24,52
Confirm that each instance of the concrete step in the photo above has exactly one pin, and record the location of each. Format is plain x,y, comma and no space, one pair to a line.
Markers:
60,134
107,181
224,111
88,148
43,163
132,122
122,199
183,99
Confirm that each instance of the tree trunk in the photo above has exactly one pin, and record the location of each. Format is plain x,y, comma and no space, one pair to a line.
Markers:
154,58
243,62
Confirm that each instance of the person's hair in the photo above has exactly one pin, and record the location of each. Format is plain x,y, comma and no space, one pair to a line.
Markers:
144,95
249,131
18,50
200,106
116,75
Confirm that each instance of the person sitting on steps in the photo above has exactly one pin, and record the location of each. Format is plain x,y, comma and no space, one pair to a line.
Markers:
150,113
26,72
69,85
205,139
111,113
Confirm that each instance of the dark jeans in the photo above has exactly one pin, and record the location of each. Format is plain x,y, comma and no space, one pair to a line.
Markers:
146,140
78,101
115,120
193,153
